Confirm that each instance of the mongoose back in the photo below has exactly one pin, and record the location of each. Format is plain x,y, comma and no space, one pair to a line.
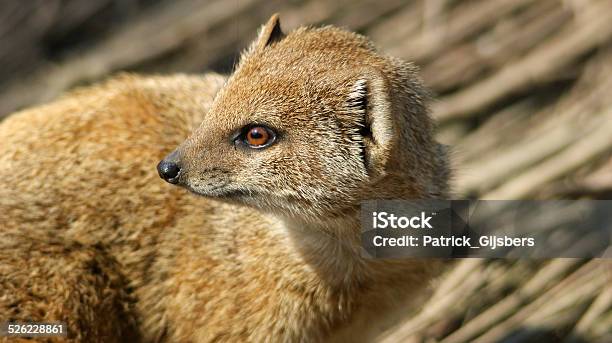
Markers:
310,124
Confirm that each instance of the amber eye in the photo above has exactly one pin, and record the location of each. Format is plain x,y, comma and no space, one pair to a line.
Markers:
258,137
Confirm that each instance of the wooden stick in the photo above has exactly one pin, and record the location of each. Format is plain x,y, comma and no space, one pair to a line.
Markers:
572,287
583,151
549,58
540,282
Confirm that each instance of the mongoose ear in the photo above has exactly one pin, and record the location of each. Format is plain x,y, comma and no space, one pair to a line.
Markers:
269,33
369,102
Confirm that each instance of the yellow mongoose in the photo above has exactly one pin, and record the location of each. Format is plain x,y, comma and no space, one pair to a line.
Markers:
310,124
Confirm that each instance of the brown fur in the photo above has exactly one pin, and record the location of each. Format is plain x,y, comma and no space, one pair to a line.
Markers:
270,253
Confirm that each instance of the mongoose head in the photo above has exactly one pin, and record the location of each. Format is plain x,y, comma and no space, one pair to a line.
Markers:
310,124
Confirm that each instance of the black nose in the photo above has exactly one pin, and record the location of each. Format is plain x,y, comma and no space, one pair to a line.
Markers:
169,171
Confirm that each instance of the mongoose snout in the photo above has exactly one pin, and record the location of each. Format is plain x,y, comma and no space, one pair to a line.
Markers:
169,171
206,170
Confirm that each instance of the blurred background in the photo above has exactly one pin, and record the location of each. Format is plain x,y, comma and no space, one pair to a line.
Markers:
523,94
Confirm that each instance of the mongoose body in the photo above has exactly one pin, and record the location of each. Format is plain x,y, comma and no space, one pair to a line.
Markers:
280,156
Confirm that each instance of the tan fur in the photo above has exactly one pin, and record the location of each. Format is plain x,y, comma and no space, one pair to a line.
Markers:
277,261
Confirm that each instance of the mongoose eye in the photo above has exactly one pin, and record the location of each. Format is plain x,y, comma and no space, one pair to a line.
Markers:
259,137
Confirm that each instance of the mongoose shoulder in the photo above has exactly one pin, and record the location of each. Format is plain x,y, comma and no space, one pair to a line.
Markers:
310,124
